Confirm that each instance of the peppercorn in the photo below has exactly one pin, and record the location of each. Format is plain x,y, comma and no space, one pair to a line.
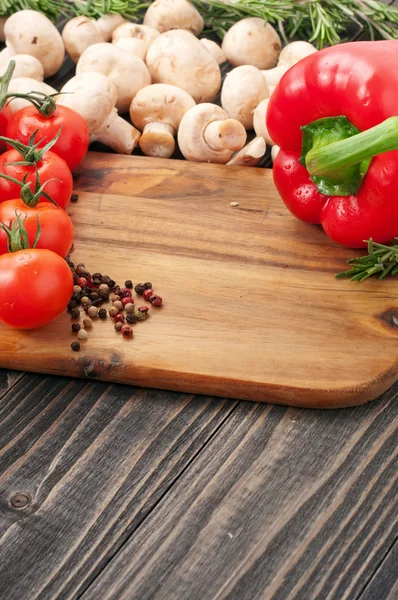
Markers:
85,300
127,300
82,335
71,264
118,304
75,313
113,311
102,313
87,322
147,294
82,282
76,296
127,332
94,296
72,304
74,197
104,295
75,346
97,302
118,326
119,318
148,285
80,268
104,287
128,284
143,309
92,312
75,278
75,327
131,318
116,289
77,289
140,289
141,316
109,281
115,297
125,292
155,300
129,307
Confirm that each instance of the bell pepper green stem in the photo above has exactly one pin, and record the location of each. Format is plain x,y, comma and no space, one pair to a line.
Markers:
327,160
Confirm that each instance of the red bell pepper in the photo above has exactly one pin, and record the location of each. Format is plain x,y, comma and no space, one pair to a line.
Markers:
334,116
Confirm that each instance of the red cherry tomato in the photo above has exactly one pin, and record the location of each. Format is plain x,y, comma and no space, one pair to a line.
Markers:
35,287
73,142
5,115
56,229
50,167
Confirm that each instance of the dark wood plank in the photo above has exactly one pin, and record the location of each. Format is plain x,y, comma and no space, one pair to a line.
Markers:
90,461
8,379
281,504
384,585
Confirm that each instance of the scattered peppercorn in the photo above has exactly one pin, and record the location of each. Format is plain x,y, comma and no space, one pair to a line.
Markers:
127,332
119,318
127,300
97,302
109,281
155,300
104,287
125,292
92,312
77,288
131,318
143,309
75,346
148,285
147,294
82,282
117,289
75,313
140,289
82,335
94,296
129,307
74,197
118,304
102,313
87,322
104,295
141,316
113,311
118,326
75,327
128,284
85,300
72,304
115,297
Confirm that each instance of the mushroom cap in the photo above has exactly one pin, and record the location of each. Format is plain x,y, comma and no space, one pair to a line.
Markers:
177,57
191,140
134,38
252,41
295,51
259,121
244,88
160,103
25,66
164,15
92,95
107,24
128,73
30,32
273,76
78,34
215,50
24,85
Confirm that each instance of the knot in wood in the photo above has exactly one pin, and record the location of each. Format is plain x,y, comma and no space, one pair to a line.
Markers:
20,500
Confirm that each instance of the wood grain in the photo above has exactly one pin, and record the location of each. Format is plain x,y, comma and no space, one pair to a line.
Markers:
93,460
384,584
281,504
252,309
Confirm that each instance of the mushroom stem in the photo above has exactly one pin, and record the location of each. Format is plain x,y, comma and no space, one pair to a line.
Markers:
250,155
157,140
227,134
117,133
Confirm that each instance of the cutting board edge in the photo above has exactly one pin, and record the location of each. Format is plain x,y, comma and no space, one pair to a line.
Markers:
209,385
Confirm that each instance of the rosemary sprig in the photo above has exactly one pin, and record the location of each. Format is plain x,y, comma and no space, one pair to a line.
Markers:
381,260
51,8
131,10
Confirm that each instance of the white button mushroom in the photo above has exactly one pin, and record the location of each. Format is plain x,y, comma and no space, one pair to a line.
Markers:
78,34
157,111
273,76
134,38
164,15
94,96
294,52
129,73
24,85
107,24
177,57
259,121
243,89
215,50
25,66
250,155
274,152
30,32
206,134
252,41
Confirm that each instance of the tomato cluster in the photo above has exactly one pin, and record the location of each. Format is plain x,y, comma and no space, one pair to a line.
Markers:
36,233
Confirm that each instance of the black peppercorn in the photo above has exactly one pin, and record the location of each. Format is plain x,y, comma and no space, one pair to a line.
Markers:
103,294
116,290
72,304
75,346
75,327
109,282
140,288
75,313
97,302
128,284
131,318
77,297
102,313
74,197
148,285
94,296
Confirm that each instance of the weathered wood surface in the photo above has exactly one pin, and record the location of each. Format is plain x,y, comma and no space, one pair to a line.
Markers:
252,308
145,495
384,584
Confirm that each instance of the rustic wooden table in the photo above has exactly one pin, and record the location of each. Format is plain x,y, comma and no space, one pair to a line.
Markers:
114,492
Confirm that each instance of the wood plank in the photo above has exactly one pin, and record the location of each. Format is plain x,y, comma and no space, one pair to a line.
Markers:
384,585
92,460
279,505
8,379
252,309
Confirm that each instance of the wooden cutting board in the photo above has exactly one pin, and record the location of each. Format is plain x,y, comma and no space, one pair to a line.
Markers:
251,306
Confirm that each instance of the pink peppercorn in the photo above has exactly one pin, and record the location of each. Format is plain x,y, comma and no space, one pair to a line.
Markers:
125,292
82,281
143,309
127,300
147,294
155,300
119,318
127,332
